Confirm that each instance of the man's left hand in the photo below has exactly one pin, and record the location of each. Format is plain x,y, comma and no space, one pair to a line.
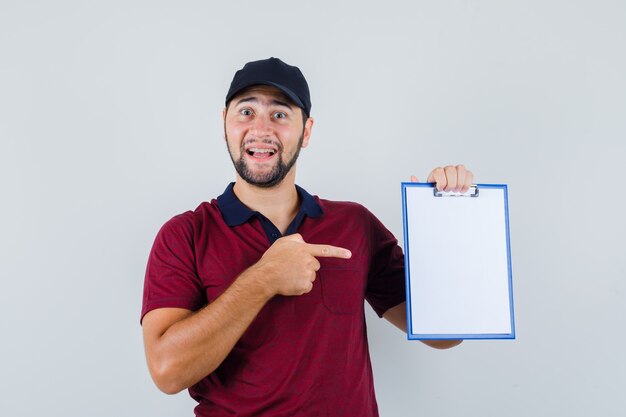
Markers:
455,178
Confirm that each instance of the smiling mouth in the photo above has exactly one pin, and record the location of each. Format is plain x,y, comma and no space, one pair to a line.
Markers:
261,153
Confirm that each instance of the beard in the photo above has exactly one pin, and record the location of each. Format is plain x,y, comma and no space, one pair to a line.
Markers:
267,179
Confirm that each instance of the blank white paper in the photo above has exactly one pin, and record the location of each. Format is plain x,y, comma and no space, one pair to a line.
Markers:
458,263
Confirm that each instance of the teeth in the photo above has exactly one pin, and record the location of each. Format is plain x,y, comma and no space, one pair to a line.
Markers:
261,150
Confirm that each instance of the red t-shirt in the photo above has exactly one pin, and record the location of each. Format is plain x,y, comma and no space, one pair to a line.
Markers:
304,355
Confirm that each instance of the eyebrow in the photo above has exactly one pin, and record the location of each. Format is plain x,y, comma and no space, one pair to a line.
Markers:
274,102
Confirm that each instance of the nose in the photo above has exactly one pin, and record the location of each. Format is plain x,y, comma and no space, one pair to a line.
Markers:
262,126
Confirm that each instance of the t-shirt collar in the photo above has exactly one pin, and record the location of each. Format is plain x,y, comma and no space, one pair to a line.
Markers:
234,212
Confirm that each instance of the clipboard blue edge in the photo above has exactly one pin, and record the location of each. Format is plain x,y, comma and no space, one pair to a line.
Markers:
407,272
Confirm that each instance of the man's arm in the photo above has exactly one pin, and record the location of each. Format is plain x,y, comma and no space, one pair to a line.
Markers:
182,347
397,316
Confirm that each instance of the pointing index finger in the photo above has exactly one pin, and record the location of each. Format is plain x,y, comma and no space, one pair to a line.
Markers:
328,251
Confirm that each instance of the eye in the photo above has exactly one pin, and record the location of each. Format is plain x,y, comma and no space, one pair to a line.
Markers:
245,112
280,115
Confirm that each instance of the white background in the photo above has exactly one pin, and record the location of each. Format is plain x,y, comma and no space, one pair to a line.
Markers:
110,125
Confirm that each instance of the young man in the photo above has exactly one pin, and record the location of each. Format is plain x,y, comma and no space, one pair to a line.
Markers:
255,301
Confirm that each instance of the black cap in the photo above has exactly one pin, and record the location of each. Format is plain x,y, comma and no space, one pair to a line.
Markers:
274,72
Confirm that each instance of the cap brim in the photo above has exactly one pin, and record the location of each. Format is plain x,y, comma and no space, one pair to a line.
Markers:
292,96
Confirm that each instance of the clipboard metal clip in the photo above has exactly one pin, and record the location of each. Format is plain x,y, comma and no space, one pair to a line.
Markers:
472,192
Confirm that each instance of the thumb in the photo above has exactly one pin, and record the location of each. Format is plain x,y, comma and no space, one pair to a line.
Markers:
414,179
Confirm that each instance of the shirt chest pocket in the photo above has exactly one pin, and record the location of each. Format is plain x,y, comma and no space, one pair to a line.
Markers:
343,290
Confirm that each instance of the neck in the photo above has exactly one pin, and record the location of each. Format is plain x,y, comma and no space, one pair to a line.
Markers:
279,203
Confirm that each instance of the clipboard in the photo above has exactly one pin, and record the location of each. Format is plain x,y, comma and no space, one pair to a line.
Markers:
457,263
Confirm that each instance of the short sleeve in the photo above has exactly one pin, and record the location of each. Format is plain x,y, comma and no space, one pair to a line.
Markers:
386,282
171,277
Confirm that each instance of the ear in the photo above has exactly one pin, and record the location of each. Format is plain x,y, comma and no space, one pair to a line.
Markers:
306,134
224,114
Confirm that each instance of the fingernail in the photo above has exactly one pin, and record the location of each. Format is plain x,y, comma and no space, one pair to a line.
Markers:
347,254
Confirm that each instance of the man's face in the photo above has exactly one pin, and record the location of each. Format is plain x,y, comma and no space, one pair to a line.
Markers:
264,133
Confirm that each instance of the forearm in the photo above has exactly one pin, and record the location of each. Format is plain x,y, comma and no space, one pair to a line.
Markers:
195,346
183,347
